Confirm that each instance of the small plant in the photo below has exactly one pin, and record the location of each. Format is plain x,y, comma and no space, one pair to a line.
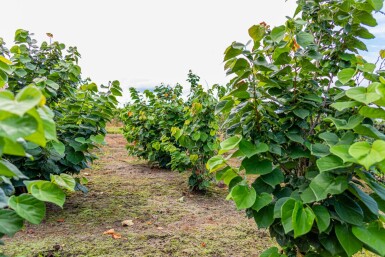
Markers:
304,118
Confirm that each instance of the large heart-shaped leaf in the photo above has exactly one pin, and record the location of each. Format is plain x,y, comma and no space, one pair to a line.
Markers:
65,181
25,100
243,196
330,162
250,149
287,214
254,165
366,154
261,201
349,211
230,144
10,222
363,95
323,185
345,75
322,217
371,235
348,241
303,219
46,191
28,207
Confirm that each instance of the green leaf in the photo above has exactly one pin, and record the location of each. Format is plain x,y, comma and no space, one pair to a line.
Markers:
363,95
59,147
243,196
257,32
342,151
303,219
75,157
52,84
254,165
98,139
340,106
346,238
10,222
215,163
15,127
376,4
28,207
230,144
295,136
373,113
65,181
278,33
349,211
366,154
230,53
271,252
330,138
330,162
345,75
371,235
287,214
322,217
278,206
319,150
261,201
274,178
9,170
47,191
26,99
323,185
302,113
250,149
264,217
304,39
365,198
341,124
366,18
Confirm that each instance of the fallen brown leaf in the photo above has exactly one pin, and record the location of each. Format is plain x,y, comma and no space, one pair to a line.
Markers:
60,220
109,232
116,236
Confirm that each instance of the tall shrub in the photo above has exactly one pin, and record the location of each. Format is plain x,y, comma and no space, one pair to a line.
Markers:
25,120
305,117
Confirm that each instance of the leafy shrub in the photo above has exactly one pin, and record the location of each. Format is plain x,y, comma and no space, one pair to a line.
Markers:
81,110
303,118
196,140
164,129
25,120
149,118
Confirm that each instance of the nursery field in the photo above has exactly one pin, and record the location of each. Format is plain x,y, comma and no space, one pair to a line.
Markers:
287,159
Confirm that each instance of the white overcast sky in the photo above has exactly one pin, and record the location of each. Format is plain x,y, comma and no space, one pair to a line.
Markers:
142,43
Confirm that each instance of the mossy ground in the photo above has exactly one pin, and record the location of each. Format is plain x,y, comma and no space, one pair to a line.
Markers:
167,219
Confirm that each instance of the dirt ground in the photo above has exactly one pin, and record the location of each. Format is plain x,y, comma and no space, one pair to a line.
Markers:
167,219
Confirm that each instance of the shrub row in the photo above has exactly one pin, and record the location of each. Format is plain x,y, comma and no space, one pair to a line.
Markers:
51,119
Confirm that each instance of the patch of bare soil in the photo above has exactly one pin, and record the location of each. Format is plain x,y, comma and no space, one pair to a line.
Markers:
163,218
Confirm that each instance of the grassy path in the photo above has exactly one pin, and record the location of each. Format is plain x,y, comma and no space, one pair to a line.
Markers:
167,219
